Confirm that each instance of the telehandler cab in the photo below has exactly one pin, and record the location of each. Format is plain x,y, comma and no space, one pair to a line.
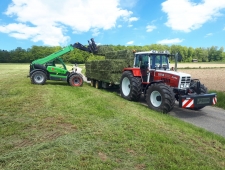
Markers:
52,67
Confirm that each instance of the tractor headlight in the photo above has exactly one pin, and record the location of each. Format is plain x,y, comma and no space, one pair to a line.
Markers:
181,86
187,85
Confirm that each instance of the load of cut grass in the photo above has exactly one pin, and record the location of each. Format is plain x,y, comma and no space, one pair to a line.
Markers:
103,49
111,68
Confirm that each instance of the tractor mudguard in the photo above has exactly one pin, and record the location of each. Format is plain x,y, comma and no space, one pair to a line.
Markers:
153,82
72,73
37,70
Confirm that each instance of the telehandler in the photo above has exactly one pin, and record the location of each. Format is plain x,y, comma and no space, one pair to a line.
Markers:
52,67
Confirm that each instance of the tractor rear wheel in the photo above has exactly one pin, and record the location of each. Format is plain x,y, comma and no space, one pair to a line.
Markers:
76,80
160,97
203,90
130,86
38,77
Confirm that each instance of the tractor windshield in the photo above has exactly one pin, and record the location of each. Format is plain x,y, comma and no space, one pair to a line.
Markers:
159,61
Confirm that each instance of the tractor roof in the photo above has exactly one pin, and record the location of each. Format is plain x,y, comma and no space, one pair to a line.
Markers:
153,52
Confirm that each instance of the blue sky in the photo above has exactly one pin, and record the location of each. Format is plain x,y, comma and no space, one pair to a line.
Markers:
191,23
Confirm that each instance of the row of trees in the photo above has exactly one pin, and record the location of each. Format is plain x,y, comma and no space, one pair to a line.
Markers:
20,55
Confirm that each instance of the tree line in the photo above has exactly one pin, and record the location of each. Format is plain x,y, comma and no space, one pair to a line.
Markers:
20,55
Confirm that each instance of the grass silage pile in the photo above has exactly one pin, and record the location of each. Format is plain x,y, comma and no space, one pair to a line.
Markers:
110,69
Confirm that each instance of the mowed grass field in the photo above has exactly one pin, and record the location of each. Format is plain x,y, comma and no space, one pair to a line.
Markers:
56,126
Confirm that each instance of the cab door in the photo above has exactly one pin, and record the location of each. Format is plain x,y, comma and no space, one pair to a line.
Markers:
144,67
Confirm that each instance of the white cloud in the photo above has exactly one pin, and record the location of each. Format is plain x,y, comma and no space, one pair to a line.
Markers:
130,42
150,28
209,34
133,19
184,15
170,41
130,25
119,26
95,31
49,21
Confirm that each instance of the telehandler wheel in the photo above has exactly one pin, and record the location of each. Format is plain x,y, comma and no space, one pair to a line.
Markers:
203,90
130,86
92,83
98,84
76,80
160,97
38,77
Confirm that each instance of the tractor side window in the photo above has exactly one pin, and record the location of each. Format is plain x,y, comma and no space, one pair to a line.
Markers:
144,62
157,61
137,62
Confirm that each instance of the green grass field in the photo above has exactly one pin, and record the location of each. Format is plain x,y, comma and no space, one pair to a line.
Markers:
56,126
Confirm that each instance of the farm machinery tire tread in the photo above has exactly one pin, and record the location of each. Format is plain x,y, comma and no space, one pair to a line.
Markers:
76,80
133,83
35,78
167,100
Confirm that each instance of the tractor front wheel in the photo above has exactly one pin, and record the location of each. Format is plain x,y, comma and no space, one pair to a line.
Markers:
130,86
76,80
160,97
38,77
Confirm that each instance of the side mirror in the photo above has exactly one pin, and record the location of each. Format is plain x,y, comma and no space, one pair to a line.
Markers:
178,57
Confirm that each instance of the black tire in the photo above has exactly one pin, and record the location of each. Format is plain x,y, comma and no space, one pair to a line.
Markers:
98,84
38,77
130,86
203,90
160,97
76,80
92,83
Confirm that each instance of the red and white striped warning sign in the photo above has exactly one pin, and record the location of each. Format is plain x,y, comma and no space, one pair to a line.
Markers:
214,100
188,103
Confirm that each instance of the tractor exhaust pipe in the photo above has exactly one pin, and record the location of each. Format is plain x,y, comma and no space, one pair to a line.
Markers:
176,58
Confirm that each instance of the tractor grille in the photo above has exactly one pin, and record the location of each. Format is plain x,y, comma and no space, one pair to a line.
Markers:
185,82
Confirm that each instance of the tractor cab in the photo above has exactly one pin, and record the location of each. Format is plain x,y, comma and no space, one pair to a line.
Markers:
149,62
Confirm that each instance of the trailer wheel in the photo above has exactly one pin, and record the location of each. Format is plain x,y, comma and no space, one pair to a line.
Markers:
76,80
130,86
160,97
203,90
38,77
98,84
92,83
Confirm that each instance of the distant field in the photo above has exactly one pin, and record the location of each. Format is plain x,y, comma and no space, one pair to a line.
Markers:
199,65
213,78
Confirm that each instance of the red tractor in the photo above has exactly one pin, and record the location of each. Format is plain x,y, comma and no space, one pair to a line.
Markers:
151,76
